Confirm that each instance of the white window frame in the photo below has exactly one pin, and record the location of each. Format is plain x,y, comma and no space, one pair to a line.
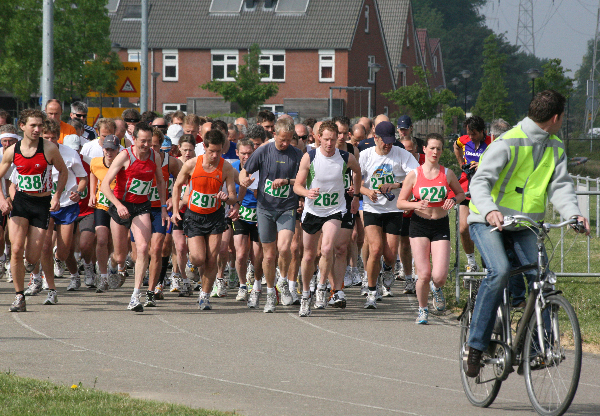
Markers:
172,61
134,55
371,60
386,110
326,59
178,107
367,9
435,64
230,56
266,58
272,108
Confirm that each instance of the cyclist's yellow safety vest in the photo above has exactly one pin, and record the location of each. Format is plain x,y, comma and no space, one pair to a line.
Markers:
522,185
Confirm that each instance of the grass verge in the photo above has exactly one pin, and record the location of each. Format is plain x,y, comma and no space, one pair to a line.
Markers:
19,395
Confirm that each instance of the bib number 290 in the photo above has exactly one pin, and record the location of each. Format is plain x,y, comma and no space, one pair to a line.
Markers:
281,192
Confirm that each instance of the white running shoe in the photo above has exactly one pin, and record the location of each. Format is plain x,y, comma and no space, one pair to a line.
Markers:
52,298
242,295
338,300
75,284
102,284
371,302
295,297
387,277
59,266
192,272
423,316
304,307
219,289
254,300
409,286
135,304
284,290
320,299
399,270
271,302
356,278
204,302
233,281
45,283
439,301
113,277
9,278
348,277
386,293
364,289
250,274
90,276
175,283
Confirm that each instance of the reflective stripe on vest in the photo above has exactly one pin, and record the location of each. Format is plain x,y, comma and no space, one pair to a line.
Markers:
522,186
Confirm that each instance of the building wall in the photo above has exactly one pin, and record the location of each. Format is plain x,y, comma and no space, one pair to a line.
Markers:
410,52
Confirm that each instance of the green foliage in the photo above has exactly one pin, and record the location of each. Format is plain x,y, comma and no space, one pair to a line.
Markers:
553,77
492,101
417,99
248,90
449,114
81,35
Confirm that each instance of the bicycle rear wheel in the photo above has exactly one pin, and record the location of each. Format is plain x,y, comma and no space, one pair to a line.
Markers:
552,378
483,389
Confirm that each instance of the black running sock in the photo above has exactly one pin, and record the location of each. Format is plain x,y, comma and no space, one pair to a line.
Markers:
372,288
386,268
163,270
20,293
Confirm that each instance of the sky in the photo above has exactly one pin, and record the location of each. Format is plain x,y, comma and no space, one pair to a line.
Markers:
562,28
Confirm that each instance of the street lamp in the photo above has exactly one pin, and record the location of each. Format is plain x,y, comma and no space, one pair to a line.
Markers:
374,67
402,70
466,74
533,73
455,81
154,76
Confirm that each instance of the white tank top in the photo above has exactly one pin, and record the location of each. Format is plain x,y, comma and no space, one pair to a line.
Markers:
327,174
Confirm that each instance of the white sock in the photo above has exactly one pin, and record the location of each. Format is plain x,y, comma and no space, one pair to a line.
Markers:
74,276
136,292
306,294
257,285
36,276
77,255
471,258
270,290
292,285
103,276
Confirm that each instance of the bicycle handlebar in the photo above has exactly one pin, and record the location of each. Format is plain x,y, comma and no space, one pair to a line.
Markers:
525,220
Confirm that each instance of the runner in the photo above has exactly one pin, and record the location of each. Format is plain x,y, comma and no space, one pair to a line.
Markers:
79,111
134,170
276,208
430,184
384,167
32,203
321,181
8,137
54,111
204,221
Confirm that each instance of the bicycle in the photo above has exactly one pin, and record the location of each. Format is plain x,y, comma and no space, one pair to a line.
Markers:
545,343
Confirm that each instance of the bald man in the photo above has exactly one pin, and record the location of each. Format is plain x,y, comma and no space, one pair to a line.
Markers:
370,142
242,121
367,124
120,132
358,134
54,111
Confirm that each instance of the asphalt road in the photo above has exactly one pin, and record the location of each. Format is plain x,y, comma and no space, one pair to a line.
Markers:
342,362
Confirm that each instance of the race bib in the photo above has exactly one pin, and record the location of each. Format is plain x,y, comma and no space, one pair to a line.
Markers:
281,192
347,182
433,193
327,200
170,187
377,182
248,214
154,194
30,182
103,200
138,187
203,200
84,193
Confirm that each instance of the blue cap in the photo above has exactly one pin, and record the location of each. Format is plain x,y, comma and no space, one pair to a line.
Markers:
166,143
386,131
404,122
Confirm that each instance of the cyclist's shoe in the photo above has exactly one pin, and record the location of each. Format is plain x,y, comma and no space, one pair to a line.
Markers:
304,307
19,304
473,362
472,268
423,316
439,302
409,287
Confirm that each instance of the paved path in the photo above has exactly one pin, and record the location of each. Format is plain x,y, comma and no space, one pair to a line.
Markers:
342,362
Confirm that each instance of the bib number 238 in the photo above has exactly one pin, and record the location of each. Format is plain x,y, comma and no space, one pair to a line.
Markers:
281,192
30,182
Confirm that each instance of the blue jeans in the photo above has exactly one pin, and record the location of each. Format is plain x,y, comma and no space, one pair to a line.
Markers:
492,250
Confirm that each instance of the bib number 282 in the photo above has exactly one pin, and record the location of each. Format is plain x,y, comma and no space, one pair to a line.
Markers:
281,192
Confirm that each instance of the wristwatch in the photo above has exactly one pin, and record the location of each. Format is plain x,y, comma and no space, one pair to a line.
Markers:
81,194
454,199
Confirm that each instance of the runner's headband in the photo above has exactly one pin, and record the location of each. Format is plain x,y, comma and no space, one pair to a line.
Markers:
11,135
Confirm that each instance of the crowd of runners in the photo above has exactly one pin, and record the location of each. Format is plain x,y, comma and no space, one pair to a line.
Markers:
308,209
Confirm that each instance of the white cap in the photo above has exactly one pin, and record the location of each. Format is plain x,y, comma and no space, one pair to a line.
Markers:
73,141
174,132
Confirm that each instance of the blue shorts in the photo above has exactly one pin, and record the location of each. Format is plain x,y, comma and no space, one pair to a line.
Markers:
360,205
67,215
157,225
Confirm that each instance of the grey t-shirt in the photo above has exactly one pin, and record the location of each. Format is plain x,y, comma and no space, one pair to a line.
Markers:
274,164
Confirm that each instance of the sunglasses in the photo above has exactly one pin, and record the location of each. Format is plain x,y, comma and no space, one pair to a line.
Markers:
80,115
160,126
132,120
303,137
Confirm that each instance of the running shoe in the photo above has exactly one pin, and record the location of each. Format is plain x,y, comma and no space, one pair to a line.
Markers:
370,303
18,305
90,276
44,282
254,300
150,300
122,277
271,302
198,286
146,281
348,277
250,274
192,272
242,295
175,283
59,266
399,270
387,277
386,293
158,292
129,263
364,289
439,301
295,297
9,278
29,267
233,279
204,302
409,287
75,284
35,287
113,277
135,304
356,277
186,290
219,289
2,268
284,290
422,317
304,307
339,300
378,293
52,298
102,284
320,299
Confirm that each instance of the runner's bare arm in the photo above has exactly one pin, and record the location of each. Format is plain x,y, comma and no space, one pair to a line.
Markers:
54,158
83,183
7,160
459,193
406,192
245,178
182,178
229,173
356,177
93,187
120,162
301,177
458,152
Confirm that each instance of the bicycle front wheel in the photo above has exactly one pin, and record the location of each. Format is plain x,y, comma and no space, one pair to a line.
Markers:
552,372
483,389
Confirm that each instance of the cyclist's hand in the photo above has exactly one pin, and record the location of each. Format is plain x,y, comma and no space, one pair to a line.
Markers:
495,219
582,226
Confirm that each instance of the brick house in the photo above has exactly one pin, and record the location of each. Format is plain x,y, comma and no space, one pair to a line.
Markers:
307,46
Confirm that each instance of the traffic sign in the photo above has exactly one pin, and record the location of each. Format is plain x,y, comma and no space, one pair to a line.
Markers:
128,83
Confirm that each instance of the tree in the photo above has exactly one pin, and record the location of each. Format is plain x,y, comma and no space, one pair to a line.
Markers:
247,89
418,99
492,101
553,77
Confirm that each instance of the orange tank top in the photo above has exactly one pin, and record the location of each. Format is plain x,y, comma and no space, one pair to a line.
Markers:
205,187
433,190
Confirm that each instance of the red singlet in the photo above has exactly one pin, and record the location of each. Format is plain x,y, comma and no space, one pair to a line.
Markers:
34,174
154,197
134,183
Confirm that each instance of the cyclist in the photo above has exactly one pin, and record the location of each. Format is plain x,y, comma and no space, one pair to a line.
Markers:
516,175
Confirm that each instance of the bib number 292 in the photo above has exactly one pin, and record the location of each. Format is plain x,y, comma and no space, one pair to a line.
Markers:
281,192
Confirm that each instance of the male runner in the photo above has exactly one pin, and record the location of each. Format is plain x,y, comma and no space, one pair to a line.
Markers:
79,111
